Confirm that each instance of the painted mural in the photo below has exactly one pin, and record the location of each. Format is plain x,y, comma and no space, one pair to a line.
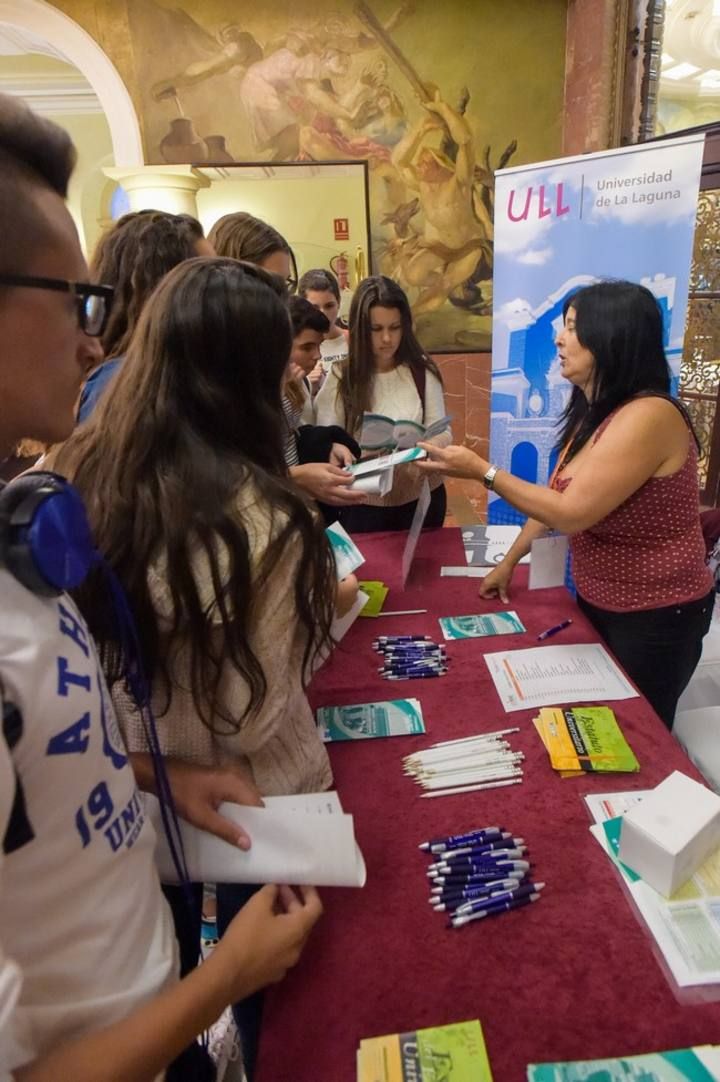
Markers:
360,80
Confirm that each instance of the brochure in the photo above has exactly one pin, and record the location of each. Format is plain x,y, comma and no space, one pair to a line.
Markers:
295,839
376,593
548,561
585,739
475,627
348,556
700,1064
686,926
395,717
375,475
379,431
453,1053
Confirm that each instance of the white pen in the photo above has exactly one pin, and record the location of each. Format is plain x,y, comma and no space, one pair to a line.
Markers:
470,788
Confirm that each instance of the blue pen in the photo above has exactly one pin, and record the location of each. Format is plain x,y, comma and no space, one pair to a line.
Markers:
458,895
472,905
489,860
492,911
421,666
458,904
486,847
474,880
502,867
501,883
554,630
403,638
481,853
453,841
416,676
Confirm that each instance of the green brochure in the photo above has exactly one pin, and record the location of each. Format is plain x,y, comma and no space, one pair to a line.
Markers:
687,1065
474,627
377,592
453,1053
396,717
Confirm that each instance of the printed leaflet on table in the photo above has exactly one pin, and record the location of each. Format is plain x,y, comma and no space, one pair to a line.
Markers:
686,926
395,717
546,675
453,1053
348,556
700,1064
585,739
474,627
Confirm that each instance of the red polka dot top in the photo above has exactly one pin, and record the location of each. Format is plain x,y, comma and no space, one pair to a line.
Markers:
648,552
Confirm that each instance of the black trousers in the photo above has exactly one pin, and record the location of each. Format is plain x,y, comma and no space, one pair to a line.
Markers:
658,648
195,1063
365,518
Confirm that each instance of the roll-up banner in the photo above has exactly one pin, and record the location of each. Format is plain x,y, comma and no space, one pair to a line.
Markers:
560,225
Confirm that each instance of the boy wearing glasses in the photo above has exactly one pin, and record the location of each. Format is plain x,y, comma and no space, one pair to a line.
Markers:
88,986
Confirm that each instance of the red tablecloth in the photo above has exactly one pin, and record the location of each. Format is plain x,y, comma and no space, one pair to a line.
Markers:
571,977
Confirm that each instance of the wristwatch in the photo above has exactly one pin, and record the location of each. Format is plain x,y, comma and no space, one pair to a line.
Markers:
489,478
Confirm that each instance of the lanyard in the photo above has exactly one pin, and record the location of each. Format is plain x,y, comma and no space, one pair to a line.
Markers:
561,461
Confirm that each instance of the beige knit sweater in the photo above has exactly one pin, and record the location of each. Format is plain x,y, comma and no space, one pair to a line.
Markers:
279,744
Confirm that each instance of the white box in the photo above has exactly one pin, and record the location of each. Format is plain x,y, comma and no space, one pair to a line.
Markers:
668,835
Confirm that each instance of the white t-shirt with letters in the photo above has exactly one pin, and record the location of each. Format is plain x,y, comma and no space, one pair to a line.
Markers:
85,933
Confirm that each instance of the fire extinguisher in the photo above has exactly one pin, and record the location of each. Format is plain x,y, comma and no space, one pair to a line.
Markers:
339,264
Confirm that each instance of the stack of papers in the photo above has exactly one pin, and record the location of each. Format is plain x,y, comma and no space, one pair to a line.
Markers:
686,926
295,839
700,1064
454,1053
584,739
394,717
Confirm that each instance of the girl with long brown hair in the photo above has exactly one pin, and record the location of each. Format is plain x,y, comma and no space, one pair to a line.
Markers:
224,561
387,372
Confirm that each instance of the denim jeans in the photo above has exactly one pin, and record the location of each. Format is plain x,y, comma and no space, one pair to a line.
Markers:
658,648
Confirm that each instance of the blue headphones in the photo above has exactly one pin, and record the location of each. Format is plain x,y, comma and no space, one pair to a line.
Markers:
45,538
47,544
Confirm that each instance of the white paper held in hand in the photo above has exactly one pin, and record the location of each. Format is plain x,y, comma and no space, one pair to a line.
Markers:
304,839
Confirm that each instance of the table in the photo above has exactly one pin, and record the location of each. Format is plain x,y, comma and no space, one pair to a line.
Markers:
571,977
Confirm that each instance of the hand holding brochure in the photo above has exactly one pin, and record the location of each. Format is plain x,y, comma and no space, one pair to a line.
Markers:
375,475
379,431
396,717
305,839
348,556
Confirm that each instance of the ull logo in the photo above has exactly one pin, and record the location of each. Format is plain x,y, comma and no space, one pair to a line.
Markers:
548,200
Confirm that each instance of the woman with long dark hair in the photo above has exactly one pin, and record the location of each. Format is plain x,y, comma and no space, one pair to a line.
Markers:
625,490
387,372
132,256
225,563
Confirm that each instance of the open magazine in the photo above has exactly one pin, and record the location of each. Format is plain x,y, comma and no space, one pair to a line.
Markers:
380,432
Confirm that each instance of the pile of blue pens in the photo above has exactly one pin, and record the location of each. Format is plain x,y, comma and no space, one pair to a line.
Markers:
410,657
481,873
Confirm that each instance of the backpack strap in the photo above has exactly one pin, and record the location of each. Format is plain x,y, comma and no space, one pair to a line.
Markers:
420,379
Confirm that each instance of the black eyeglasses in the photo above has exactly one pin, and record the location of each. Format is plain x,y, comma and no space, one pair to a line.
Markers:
93,302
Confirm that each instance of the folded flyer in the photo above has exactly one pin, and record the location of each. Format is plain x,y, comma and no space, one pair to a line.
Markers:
348,556
453,1053
585,739
474,627
700,1064
394,717
295,839
379,431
